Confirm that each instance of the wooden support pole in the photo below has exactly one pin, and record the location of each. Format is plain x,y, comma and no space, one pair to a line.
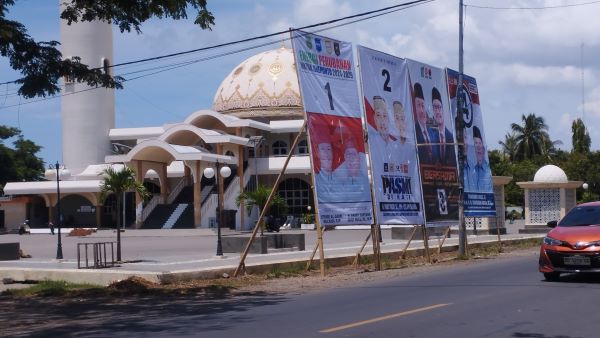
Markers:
312,256
498,234
357,258
443,240
262,213
426,243
412,235
375,237
321,250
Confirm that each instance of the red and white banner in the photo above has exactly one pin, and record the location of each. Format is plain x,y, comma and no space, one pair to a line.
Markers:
327,79
391,138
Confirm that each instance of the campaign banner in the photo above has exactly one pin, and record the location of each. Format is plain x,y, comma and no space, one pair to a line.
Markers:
479,190
329,91
434,134
391,138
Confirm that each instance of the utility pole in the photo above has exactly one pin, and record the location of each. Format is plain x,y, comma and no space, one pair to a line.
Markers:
462,230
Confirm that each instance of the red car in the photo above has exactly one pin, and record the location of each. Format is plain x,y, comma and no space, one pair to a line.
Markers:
574,243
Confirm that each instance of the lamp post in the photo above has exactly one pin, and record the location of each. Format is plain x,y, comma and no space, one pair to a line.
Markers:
209,173
586,193
59,253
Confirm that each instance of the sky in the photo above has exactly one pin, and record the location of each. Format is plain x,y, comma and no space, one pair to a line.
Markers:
540,61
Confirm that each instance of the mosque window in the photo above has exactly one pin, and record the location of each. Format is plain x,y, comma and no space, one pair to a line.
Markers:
280,148
302,147
296,193
106,66
69,78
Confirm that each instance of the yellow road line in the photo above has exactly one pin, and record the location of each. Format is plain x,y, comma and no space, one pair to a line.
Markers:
378,319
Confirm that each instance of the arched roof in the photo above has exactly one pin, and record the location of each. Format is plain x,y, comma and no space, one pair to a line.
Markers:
202,119
180,134
160,151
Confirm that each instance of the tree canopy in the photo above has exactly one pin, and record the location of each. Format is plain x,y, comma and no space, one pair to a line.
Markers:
581,138
20,162
41,63
532,137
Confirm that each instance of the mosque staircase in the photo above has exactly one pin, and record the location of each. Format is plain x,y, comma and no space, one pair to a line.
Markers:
186,220
159,216
185,196
175,216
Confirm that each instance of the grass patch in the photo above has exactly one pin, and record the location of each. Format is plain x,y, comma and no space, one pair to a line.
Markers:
291,270
52,288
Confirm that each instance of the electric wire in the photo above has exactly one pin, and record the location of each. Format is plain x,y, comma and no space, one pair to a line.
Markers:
534,8
159,69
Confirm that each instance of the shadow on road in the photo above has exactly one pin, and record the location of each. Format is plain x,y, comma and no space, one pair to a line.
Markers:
156,313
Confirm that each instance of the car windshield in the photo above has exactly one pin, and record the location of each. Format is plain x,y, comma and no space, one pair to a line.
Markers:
581,216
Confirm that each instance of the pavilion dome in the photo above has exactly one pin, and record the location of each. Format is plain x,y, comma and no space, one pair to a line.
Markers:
263,86
550,174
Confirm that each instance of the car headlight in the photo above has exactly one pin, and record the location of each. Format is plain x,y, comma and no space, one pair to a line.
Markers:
552,241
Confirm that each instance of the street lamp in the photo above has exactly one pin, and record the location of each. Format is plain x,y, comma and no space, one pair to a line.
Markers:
210,173
59,253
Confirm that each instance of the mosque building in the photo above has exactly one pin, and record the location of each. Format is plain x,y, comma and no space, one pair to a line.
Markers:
256,115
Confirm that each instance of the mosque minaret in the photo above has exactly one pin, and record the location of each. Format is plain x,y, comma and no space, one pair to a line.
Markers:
86,116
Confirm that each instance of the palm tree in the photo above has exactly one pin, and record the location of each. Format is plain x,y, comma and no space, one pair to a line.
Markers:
259,198
118,182
509,146
581,138
532,137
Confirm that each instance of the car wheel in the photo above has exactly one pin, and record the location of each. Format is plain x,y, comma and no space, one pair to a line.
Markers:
552,276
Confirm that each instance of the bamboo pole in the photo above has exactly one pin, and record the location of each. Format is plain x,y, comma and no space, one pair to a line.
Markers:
412,235
375,237
321,250
312,256
357,258
498,234
426,243
443,240
262,213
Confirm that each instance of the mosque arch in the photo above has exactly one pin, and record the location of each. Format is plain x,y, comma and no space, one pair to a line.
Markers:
185,134
209,119
77,211
153,150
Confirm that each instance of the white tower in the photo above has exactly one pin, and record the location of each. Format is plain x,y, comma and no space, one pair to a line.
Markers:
87,116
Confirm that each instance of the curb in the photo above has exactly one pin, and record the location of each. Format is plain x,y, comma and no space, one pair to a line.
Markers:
108,276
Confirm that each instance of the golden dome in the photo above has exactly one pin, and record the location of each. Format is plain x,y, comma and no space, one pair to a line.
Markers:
263,86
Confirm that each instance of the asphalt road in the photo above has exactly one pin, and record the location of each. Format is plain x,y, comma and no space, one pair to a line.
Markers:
503,297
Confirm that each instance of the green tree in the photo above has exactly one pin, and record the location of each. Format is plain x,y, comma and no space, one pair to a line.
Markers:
29,167
41,63
19,163
580,139
509,146
118,182
532,137
258,197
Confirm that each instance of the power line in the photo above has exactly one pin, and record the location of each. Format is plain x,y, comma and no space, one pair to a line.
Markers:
164,68
535,8
405,4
